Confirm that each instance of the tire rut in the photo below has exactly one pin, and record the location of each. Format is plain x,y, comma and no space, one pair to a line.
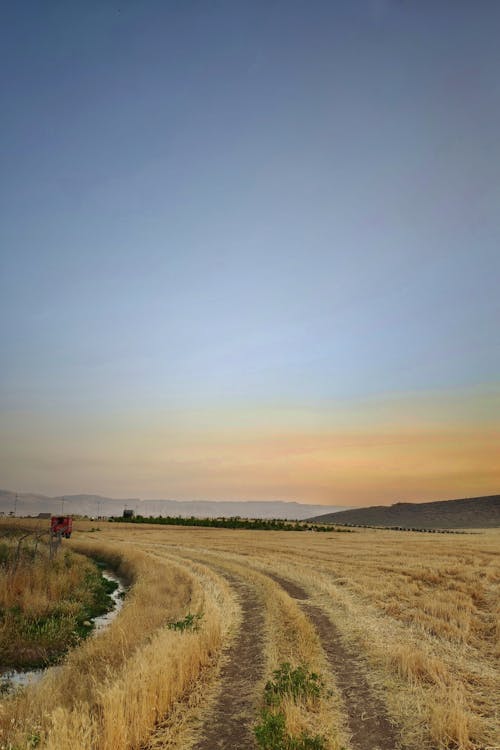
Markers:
368,721
229,725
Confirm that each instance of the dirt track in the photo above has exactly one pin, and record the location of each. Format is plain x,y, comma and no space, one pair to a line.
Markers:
230,723
368,721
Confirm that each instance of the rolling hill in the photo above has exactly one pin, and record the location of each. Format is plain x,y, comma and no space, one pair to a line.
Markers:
96,505
465,513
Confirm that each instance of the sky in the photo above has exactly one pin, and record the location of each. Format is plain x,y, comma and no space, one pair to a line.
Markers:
250,250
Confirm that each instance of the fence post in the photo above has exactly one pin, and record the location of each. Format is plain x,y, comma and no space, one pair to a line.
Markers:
55,543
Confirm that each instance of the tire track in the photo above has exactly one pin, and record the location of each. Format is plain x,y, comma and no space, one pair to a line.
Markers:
230,723
368,721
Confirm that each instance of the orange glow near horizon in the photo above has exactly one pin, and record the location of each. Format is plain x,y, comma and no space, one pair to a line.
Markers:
411,449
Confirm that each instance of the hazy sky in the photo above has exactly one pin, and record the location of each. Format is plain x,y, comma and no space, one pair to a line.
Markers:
250,250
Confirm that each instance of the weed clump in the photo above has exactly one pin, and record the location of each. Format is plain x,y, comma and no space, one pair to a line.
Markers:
271,734
190,622
296,685
296,682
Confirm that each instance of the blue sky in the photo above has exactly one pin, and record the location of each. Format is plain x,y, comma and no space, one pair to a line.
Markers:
233,207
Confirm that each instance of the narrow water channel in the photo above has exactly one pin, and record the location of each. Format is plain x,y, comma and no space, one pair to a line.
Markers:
15,678
103,621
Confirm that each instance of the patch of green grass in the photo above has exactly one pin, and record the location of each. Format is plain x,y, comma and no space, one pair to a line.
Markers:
45,629
33,739
296,682
271,734
100,603
301,686
31,638
101,589
190,622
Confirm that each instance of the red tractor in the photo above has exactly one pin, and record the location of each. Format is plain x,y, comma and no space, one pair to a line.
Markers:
61,526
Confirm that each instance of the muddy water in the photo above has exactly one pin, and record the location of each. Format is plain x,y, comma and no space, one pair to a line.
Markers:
13,679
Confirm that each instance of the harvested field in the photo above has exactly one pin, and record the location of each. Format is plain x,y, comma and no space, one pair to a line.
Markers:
392,640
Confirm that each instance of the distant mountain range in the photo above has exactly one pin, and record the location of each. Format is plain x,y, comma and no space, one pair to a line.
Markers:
95,505
466,513
474,512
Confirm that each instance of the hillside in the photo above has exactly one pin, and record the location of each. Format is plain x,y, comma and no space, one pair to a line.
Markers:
95,505
466,513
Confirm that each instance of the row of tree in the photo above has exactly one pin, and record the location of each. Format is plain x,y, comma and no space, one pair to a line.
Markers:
234,522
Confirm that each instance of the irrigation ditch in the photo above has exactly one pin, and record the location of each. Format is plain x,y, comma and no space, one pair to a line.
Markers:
13,679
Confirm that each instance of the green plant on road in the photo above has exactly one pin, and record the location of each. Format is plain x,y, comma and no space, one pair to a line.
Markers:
271,734
299,686
296,682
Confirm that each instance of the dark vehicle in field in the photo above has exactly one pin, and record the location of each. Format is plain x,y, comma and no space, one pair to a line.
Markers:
61,526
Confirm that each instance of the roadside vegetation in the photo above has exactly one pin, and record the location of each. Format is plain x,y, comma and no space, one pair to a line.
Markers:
112,690
46,602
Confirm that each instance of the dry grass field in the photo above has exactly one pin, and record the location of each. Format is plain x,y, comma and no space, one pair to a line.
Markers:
44,602
391,640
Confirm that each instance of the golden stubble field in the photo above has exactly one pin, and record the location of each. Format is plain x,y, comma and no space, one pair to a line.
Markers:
401,628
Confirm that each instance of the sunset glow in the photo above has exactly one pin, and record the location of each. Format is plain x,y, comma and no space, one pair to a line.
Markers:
250,251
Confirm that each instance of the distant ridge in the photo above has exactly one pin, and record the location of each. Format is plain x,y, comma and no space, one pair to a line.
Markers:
465,513
96,505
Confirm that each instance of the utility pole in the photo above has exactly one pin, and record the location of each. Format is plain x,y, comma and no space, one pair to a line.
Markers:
15,506
62,506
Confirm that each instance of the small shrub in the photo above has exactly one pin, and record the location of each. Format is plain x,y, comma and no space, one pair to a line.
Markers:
301,686
297,683
33,739
190,622
271,735
270,732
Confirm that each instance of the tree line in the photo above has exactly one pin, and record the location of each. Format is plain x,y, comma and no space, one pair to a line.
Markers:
233,522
